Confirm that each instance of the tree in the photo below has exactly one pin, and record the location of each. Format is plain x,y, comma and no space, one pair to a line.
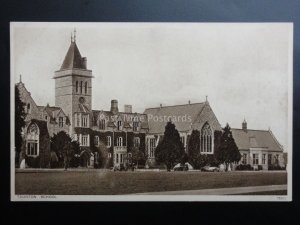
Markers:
170,150
194,149
137,156
228,151
19,123
61,144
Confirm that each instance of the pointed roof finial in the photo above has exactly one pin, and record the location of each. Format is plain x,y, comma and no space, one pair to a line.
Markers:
71,37
206,98
20,78
74,35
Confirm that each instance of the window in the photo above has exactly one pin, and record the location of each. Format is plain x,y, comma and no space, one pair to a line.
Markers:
96,140
206,139
85,87
152,147
263,159
182,139
28,108
119,125
255,159
76,86
244,159
109,155
32,148
81,87
277,159
102,124
46,117
61,122
84,140
136,142
108,141
269,159
117,158
119,141
135,125
121,158
84,121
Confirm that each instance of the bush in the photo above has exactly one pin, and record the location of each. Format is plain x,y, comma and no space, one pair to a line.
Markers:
276,167
259,167
244,167
32,162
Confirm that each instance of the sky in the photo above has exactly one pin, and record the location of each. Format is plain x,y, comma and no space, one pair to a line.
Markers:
244,68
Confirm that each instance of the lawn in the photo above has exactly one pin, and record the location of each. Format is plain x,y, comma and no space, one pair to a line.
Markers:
98,182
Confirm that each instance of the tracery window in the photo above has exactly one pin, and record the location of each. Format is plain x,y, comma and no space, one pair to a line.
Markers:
206,139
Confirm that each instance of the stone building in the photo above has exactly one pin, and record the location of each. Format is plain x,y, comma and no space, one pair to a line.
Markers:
119,133
187,117
258,147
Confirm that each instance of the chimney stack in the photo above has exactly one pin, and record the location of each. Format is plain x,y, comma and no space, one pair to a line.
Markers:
114,106
128,108
189,102
84,62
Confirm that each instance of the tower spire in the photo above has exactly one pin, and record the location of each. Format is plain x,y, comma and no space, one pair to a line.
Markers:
74,39
20,78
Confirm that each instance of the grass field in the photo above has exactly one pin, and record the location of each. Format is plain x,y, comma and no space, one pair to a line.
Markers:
108,182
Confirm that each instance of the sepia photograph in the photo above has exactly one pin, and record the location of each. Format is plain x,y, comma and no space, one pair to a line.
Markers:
129,111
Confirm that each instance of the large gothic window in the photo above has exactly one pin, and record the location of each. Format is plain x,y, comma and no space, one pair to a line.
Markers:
32,140
206,139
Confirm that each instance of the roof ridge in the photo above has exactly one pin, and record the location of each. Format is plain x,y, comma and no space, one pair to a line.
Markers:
175,105
249,129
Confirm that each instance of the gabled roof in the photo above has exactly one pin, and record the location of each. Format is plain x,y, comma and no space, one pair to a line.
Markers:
177,111
255,139
73,58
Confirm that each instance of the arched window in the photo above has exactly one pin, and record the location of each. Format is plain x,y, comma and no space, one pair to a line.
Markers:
120,141
76,86
32,139
81,87
85,87
206,139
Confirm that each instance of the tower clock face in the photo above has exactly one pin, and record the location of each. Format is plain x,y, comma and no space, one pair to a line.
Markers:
81,100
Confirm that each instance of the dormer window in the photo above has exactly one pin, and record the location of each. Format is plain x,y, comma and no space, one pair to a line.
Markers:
135,126
61,122
102,124
119,125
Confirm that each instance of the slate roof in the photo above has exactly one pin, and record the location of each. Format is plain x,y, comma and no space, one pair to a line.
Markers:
125,117
255,139
73,58
190,110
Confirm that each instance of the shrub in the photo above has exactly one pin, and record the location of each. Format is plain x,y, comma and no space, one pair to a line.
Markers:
244,167
276,167
259,167
32,162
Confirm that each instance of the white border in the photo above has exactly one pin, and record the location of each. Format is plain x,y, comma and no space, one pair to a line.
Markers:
152,198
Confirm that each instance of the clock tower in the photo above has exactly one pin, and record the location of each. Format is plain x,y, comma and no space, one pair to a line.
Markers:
73,86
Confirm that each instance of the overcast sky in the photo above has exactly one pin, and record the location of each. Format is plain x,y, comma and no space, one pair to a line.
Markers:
242,68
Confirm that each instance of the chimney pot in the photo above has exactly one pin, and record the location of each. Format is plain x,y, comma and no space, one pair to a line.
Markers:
128,108
114,106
